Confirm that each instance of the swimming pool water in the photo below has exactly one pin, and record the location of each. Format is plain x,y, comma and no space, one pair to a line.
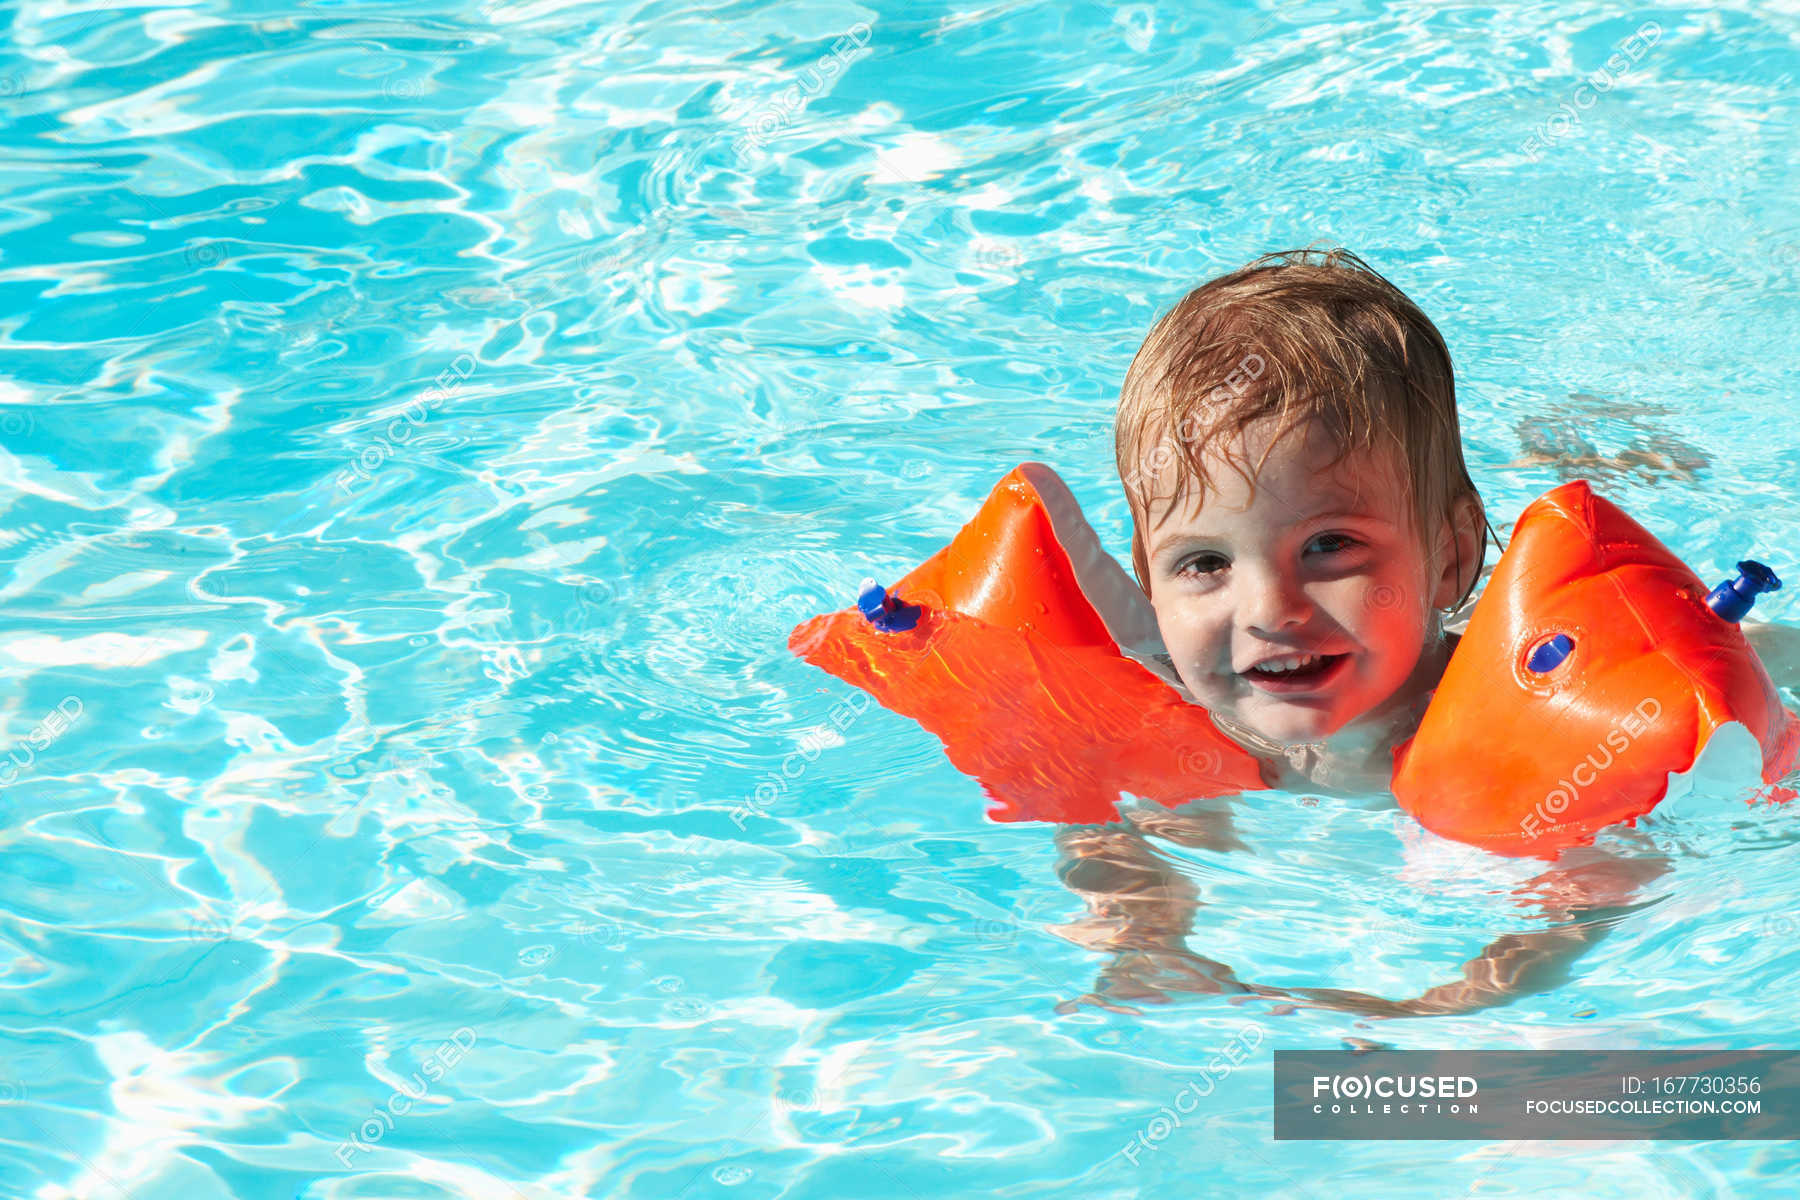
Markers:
420,428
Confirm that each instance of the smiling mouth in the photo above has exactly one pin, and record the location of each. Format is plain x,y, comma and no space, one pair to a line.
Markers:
1307,671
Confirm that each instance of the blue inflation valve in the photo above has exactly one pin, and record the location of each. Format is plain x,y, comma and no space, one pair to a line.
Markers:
1550,653
1733,598
885,612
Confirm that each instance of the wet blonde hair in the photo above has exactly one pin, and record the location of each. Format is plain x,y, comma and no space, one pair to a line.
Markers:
1309,338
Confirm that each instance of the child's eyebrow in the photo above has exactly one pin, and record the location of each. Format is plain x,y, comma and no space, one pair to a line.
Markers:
1180,541
1360,513
1327,514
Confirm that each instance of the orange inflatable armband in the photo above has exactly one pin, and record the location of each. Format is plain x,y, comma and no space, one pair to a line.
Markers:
1594,669
1018,664
1591,670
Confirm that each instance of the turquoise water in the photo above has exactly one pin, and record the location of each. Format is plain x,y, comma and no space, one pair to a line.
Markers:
421,428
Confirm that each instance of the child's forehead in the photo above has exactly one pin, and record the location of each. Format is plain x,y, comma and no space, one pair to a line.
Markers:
1314,495
1304,469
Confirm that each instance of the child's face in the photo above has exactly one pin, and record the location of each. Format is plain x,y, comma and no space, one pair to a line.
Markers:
1323,562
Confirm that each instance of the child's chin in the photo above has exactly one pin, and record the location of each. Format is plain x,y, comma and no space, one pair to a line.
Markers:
1292,724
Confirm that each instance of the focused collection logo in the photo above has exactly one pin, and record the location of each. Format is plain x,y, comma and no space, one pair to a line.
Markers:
1371,1095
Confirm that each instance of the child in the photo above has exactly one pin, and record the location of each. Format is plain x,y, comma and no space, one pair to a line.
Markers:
1302,517
1304,525
1308,535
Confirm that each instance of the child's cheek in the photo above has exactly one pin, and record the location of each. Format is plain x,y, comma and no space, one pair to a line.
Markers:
1391,613
1194,642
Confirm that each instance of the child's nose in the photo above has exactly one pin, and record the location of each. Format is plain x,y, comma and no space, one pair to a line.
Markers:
1276,601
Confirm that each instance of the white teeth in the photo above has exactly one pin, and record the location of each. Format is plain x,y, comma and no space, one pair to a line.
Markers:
1292,662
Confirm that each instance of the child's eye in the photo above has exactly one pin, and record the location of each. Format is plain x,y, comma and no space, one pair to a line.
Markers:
1335,543
1203,564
